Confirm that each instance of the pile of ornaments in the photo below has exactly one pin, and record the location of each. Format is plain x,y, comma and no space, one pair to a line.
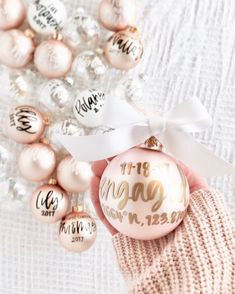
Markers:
41,43
54,57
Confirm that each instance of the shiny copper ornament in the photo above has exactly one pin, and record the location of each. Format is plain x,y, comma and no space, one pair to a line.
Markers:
12,14
25,124
16,49
49,203
144,193
37,162
124,49
77,231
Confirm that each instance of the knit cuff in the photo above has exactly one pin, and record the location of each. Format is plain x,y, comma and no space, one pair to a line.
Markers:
194,256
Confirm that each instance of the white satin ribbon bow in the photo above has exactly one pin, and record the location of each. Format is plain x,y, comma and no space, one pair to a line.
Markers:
133,128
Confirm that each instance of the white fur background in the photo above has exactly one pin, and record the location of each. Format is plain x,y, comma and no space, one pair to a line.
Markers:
189,50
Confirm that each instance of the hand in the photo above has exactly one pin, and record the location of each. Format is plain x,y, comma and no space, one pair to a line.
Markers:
195,181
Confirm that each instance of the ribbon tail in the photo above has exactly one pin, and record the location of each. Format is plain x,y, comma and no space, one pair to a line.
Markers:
98,147
195,155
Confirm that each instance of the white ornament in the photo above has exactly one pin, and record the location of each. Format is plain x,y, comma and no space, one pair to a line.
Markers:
88,108
54,95
47,16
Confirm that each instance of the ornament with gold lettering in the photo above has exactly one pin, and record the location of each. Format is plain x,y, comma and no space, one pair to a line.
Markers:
77,231
124,49
25,124
144,193
49,203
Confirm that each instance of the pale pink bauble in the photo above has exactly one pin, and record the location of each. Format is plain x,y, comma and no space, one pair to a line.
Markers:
77,232
37,162
117,15
25,124
73,175
144,194
16,49
49,203
12,14
53,59
124,49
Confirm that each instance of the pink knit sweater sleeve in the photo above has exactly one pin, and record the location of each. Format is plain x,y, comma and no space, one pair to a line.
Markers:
196,258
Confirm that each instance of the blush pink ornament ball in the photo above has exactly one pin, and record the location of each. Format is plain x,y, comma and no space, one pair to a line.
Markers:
77,231
12,14
49,203
117,15
74,176
144,194
124,49
37,162
16,49
53,59
25,124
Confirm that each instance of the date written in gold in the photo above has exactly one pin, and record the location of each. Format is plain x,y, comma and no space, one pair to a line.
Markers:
140,168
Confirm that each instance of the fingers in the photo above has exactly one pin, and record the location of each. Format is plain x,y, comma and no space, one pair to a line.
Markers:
95,182
98,167
195,181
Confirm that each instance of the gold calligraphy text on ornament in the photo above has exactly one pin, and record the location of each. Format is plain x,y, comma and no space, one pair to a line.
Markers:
153,191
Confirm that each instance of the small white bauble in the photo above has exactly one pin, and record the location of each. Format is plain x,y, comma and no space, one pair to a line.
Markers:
54,95
47,16
88,108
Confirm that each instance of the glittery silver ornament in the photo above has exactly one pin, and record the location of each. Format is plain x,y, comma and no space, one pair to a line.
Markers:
81,29
100,130
69,126
54,95
88,65
5,160
13,193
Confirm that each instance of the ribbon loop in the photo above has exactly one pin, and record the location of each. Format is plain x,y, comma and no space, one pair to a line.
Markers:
156,125
133,128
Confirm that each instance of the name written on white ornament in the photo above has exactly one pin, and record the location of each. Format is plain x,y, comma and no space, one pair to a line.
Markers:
22,118
77,226
93,102
45,16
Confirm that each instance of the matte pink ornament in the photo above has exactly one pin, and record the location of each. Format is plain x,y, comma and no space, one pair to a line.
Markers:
16,49
25,124
73,175
144,194
12,14
37,162
53,59
124,49
77,231
116,15
49,203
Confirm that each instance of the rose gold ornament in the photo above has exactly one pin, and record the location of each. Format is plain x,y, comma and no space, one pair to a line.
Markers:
77,231
12,14
144,194
16,48
73,175
124,49
53,59
25,124
37,162
116,15
49,203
